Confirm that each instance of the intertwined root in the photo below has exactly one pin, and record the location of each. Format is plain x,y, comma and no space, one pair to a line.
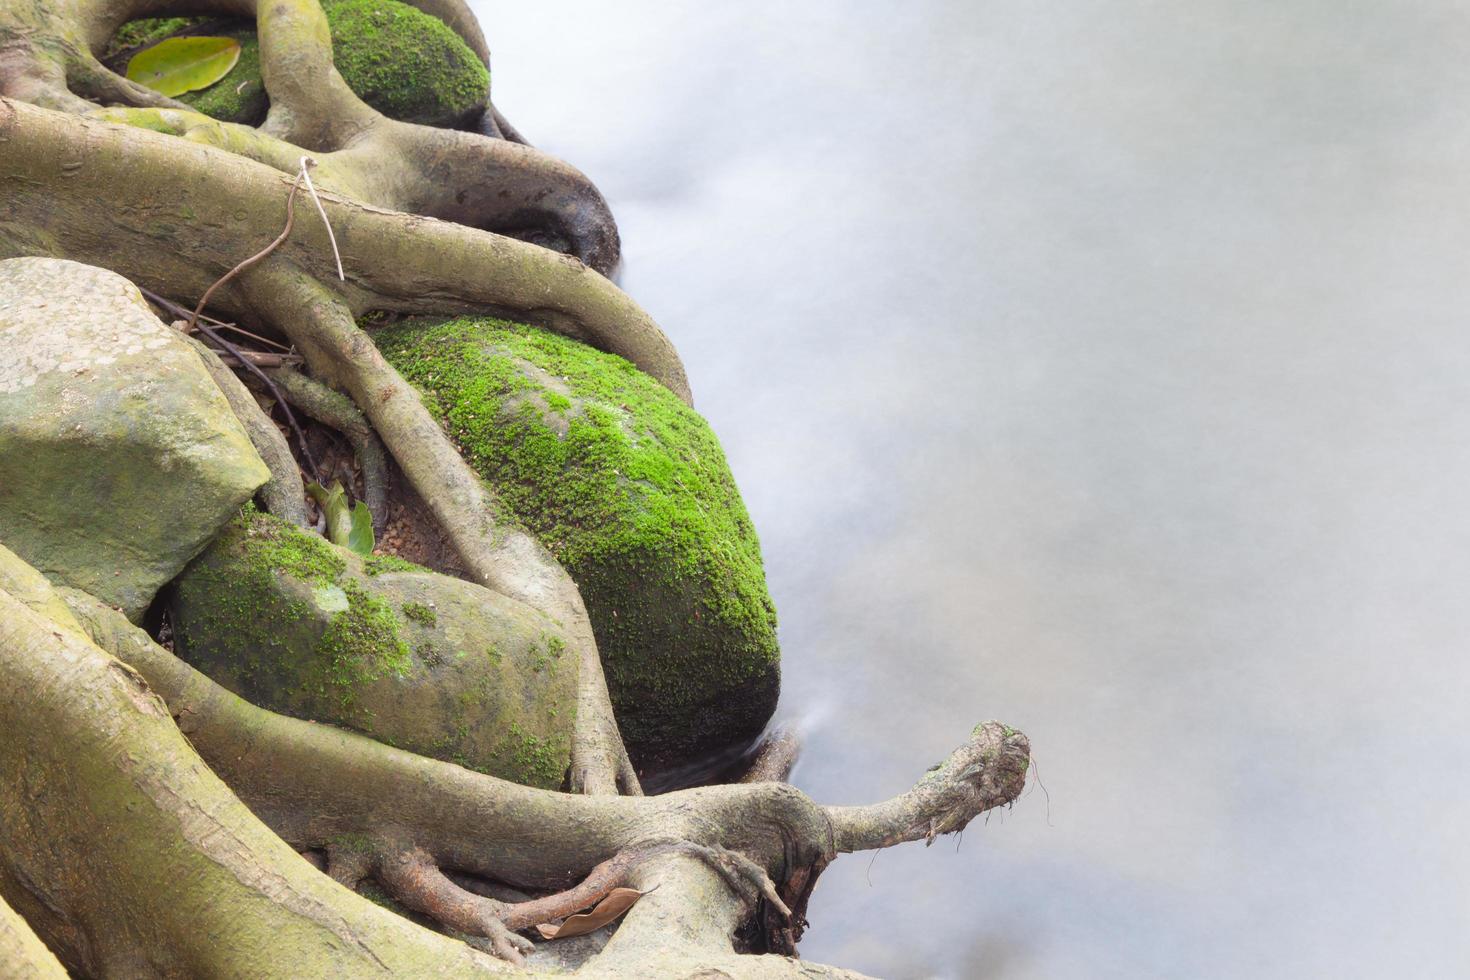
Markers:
48,57
412,822
415,880
182,215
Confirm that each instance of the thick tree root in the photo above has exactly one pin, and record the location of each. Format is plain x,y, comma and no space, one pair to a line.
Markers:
287,290
48,58
498,554
130,858
180,215
367,804
175,212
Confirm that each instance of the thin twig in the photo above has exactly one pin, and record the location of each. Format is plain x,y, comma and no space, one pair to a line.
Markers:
250,366
194,324
306,164
178,311
265,359
247,263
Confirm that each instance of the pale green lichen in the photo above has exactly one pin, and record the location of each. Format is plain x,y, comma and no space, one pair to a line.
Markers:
629,489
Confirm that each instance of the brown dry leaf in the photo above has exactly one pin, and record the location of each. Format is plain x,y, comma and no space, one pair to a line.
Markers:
618,901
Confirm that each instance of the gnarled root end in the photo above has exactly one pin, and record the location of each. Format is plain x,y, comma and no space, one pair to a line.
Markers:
987,771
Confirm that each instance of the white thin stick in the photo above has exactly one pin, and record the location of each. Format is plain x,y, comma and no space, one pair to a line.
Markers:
307,162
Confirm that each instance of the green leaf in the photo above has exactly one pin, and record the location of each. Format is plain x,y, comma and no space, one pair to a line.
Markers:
360,538
177,65
352,528
333,502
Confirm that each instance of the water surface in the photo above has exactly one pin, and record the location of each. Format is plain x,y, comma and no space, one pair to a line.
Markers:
1100,367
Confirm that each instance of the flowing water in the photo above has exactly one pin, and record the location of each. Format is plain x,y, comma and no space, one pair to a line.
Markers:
1100,367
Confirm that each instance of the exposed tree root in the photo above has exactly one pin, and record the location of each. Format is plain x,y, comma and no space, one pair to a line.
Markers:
131,858
334,409
373,807
176,215
174,200
284,495
774,758
496,553
164,178
48,57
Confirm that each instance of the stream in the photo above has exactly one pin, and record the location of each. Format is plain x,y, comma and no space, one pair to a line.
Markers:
1098,367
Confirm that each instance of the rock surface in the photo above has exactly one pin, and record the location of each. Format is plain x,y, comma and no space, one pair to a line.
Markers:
119,458
628,488
422,661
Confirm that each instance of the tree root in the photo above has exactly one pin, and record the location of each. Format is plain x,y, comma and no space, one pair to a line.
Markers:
175,211
102,788
367,804
497,554
284,495
774,758
172,200
217,187
50,59
336,410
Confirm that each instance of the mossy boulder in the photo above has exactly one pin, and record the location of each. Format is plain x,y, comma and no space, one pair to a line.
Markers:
401,61
422,661
119,458
629,488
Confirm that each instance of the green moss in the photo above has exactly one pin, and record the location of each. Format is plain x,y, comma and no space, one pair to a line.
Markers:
420,613
361,643
137,33
239,96
537,761
386,564
629,489
401,61
405,63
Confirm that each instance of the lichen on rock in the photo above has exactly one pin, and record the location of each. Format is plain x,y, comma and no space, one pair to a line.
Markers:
629,489
422,661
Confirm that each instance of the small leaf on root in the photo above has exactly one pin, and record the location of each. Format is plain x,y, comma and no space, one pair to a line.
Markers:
177,65
360,538
618,901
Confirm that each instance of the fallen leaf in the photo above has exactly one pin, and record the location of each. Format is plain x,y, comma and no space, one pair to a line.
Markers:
618,901
360,538
177,65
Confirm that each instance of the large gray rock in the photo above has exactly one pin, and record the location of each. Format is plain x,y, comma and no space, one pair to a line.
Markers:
428,663
119,458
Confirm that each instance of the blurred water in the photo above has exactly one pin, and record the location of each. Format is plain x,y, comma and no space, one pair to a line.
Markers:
1100,367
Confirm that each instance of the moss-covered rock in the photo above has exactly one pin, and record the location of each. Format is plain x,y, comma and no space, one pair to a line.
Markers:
422,661
628,487
119,457
401,61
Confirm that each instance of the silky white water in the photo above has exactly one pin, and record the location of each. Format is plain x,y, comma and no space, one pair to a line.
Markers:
1100,367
